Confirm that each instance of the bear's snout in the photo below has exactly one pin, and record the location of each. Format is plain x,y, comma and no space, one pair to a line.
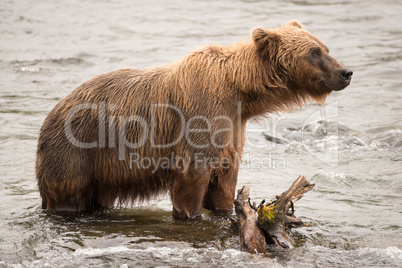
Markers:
346,74
340,79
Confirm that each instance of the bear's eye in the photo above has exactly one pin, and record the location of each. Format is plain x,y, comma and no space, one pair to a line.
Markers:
316,52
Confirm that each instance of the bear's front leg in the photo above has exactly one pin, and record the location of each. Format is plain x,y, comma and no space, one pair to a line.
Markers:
187,196
221,191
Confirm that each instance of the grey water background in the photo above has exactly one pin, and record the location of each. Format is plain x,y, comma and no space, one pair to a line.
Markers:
351,149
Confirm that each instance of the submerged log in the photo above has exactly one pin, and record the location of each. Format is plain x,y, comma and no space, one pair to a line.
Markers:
266,224
252,238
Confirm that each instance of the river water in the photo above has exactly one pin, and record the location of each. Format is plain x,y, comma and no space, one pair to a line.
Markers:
351,148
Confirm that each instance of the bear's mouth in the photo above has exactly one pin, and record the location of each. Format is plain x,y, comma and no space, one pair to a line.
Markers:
341,85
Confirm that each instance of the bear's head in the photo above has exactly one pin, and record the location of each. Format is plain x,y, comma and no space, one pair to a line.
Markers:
300,62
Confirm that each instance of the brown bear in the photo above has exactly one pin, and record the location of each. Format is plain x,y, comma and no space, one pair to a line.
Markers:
131,134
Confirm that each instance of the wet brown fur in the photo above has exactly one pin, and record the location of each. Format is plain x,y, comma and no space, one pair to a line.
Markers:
267,74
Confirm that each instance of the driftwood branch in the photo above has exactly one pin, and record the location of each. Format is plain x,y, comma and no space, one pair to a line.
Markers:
252,238
266,223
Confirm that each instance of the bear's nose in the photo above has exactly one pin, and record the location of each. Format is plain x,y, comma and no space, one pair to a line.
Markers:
346,74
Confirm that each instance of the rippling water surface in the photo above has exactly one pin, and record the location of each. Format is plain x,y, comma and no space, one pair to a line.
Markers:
351,149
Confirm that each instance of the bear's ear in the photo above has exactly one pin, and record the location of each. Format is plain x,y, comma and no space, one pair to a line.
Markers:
265,40
295,23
